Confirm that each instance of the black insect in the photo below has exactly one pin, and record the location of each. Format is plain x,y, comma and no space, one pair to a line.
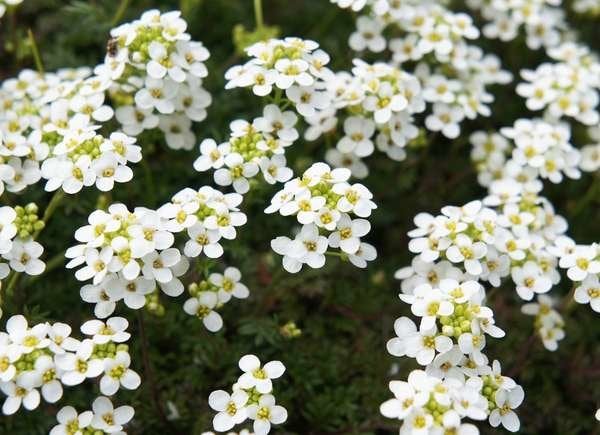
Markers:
112,47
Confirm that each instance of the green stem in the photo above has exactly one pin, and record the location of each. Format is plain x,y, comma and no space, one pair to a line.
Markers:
50,209
119,13
14,279
334,254
35,52
258,14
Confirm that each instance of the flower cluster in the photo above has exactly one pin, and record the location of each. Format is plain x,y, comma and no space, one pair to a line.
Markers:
323,202
548,322
378,103
251,398
429,26
209,295
127,255
537,149
155,75
541,20
436,401
293,65
50,129
103,419
18,225
453,75
45,358
582,263
252,147
565,88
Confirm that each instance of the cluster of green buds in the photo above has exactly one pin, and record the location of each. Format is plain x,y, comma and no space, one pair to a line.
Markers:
27,221
290,330
108,350
459,322
154,305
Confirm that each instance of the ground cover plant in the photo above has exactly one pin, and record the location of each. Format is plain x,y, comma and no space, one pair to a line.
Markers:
307,217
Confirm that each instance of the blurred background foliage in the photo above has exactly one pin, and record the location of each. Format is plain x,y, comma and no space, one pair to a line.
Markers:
338,368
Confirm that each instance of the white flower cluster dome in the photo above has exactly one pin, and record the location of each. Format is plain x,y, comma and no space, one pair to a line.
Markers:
128,255
50,131
568,87
252,148
155,73
209,295
543,22
44,357
324,203
252,398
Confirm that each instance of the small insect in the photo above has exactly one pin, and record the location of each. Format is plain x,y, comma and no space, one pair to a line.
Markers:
112,47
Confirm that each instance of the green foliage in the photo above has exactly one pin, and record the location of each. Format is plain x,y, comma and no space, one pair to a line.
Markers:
338,367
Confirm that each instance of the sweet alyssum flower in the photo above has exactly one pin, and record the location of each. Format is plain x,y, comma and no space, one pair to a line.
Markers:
18,226
252,148
251,398
104,418
323,201
44,358
209,295
155,73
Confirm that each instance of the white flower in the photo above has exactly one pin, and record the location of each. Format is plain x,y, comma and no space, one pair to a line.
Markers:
79,366
463,249
135,120
70,422
109,419
290,71
277,122
211,155
445,119
17,395
159,266
111,331
26,339
429,304
367,35
44,374
358,132
530,280
408,396
231,408
581,263
307,99
24,257
348,233
589,292
307,248
159,58
203,306
157,94
236,173
203,240
265,413
366,252
506,401
257,376
229,284
274,169
118,374
96,264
